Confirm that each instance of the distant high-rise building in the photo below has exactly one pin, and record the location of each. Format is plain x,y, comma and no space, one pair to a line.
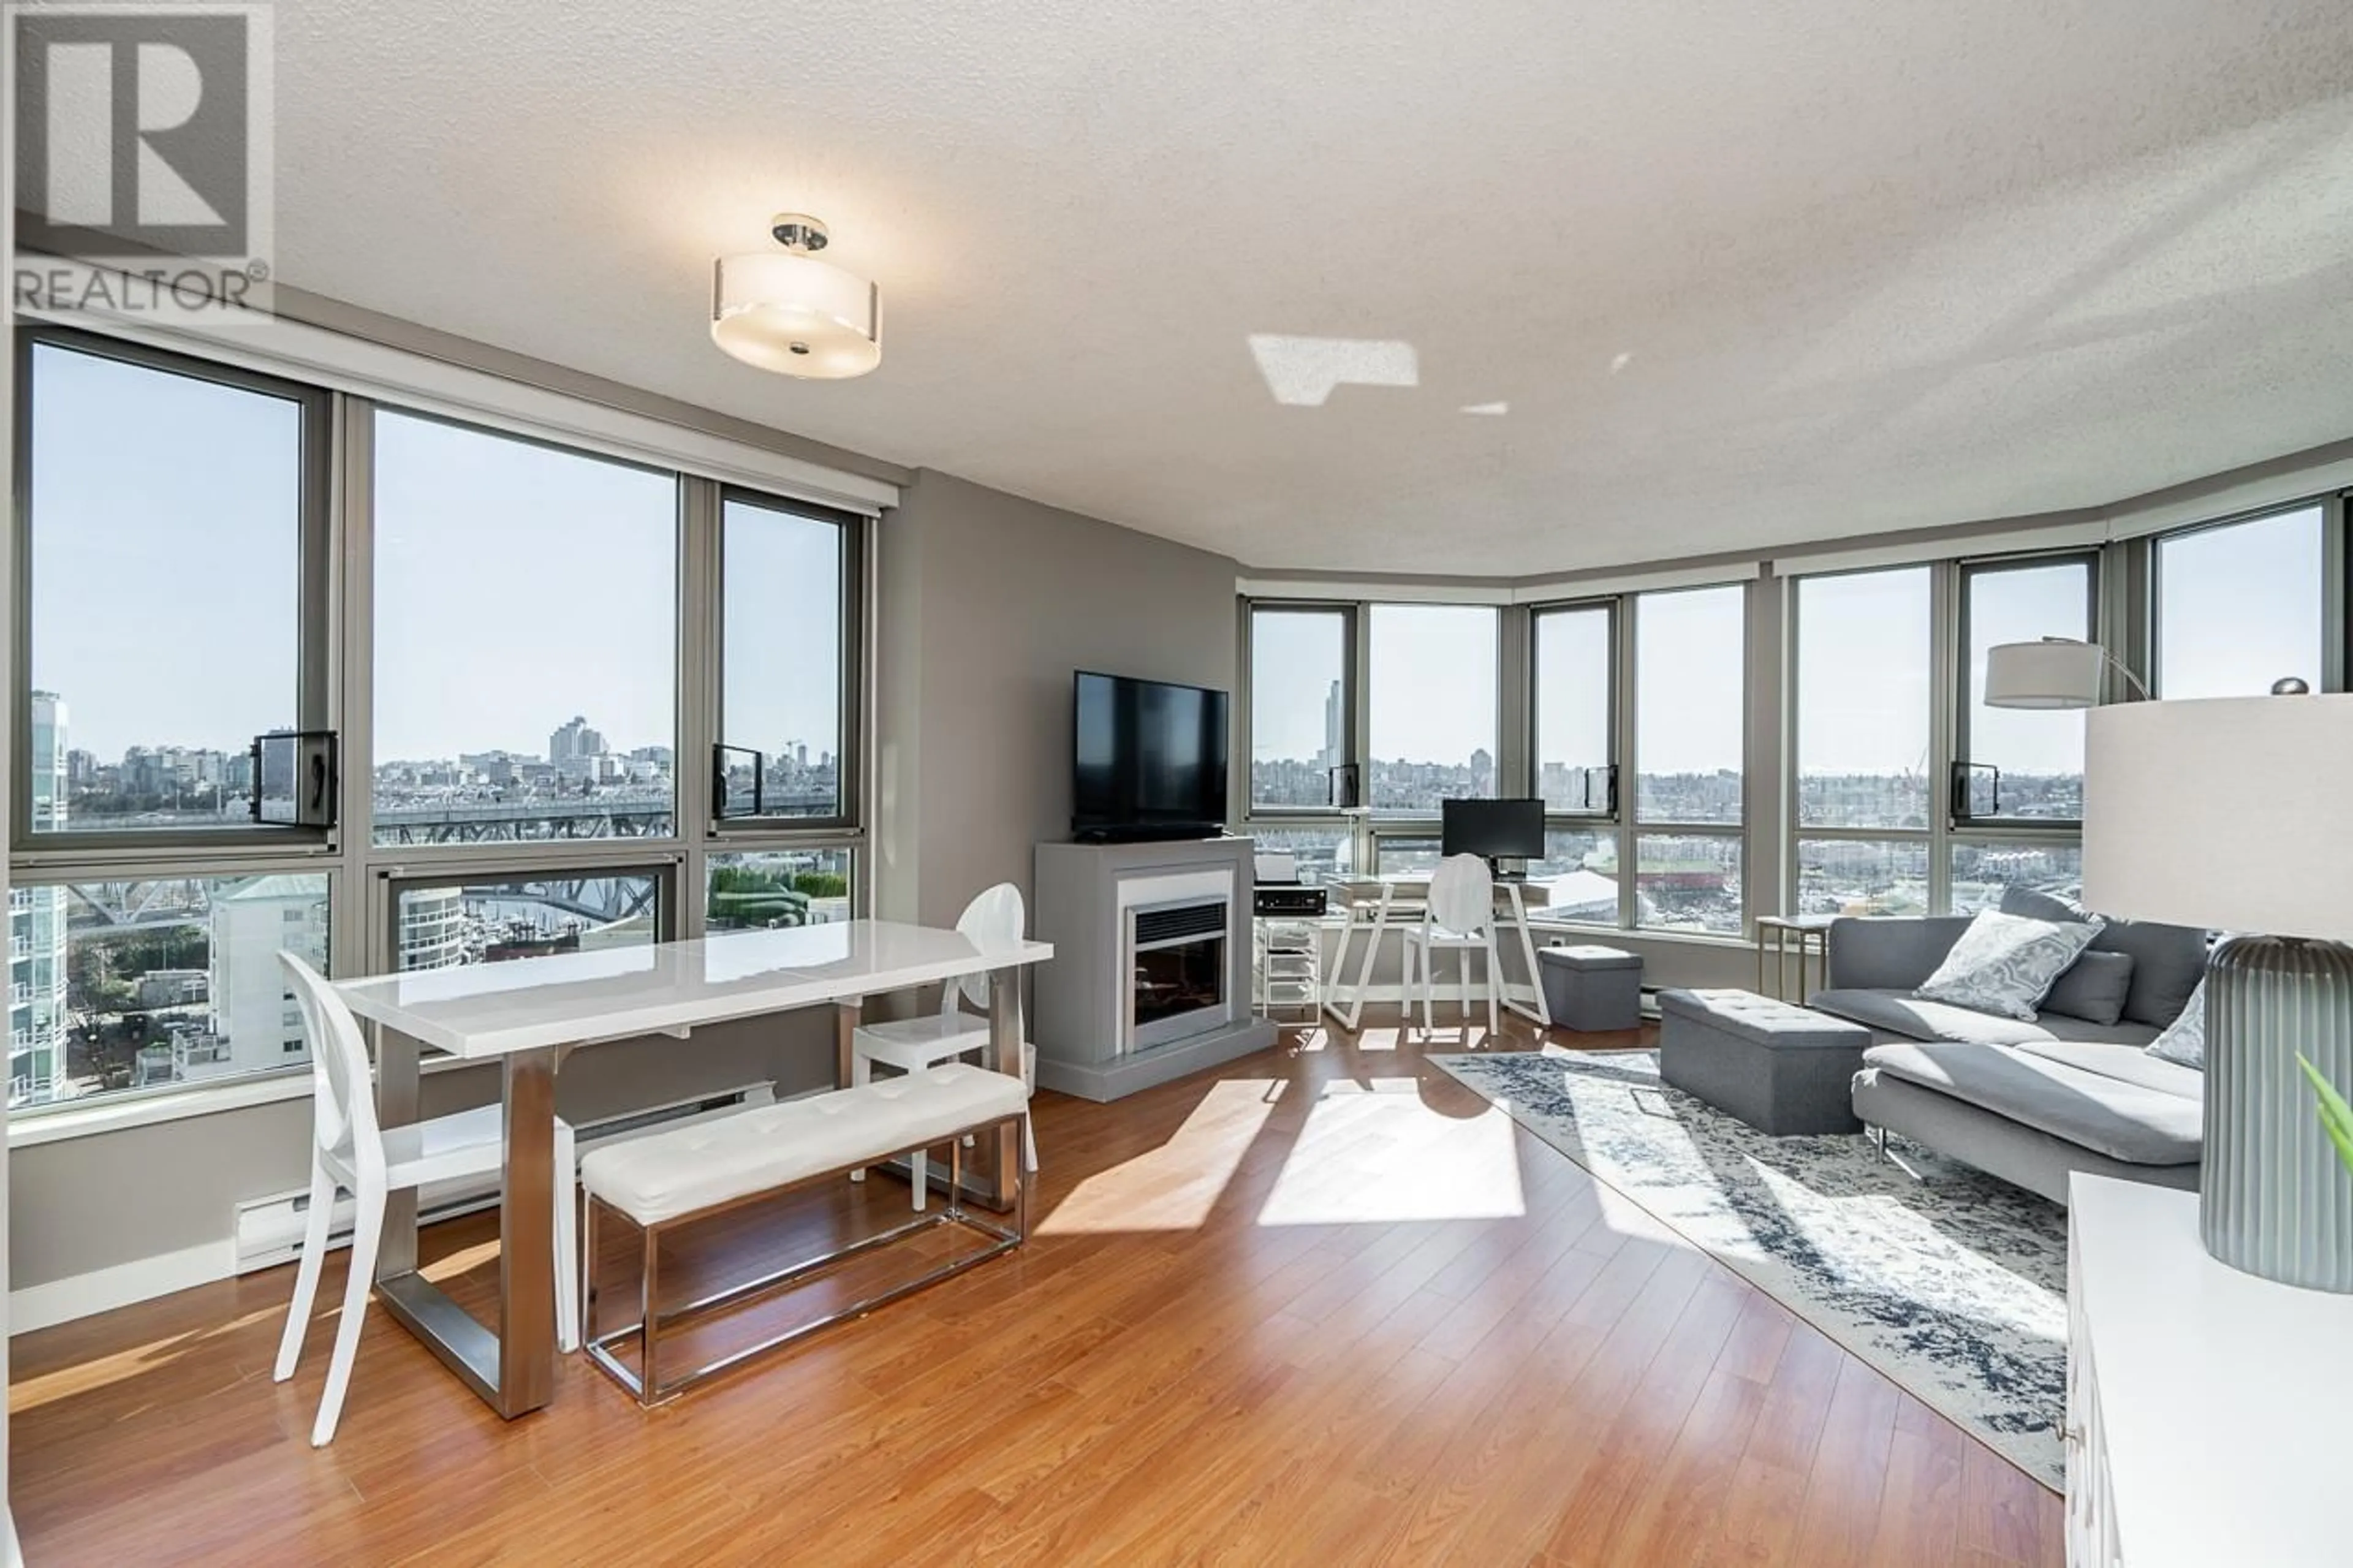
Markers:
37,928
257,1024
432,927
1335,727
573,740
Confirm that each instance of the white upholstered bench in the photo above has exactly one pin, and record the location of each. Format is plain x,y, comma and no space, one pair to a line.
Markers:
674,1179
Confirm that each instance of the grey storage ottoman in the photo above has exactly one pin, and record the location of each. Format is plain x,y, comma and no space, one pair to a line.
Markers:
1778,1067
1591,988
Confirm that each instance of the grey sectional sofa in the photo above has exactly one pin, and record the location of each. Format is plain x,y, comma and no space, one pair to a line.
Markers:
2029,1102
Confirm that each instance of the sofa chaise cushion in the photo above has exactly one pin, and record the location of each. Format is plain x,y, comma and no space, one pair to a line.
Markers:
2125,1063
2129,1122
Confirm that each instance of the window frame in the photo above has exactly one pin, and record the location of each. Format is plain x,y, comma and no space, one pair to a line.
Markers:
1966,573
2336,587
852,693
168,869
1407,822
1633,826
360,475
1369,835
855,850
387,883
1614,712
363,878
1353,654
1934,835
318,540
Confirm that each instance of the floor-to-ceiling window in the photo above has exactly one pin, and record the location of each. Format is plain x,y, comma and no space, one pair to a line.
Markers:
1302,695
1865,700
2018,779
1432,723
1689,743
1630,714
173,610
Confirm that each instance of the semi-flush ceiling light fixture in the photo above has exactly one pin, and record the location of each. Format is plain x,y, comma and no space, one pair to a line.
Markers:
790,312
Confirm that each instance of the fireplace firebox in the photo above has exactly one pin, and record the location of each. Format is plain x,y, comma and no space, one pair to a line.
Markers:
1175,970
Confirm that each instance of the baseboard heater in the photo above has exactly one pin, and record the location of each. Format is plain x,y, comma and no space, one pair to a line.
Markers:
270,1230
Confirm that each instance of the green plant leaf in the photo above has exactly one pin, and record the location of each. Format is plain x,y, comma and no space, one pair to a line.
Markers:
2336,1115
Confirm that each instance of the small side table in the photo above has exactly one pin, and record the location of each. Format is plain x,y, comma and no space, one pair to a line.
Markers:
1782,937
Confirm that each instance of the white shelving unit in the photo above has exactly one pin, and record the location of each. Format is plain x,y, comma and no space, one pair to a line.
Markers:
1287,967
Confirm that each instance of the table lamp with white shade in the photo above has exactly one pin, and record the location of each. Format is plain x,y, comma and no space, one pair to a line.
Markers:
2236,814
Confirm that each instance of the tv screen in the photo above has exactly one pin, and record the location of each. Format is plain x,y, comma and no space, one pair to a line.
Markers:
1149,759
1496,830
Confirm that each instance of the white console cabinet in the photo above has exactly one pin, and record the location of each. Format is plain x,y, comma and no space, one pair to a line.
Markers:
2205,1407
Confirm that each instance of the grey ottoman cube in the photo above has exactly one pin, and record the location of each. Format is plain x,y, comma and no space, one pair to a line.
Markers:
1591,988
1778,1067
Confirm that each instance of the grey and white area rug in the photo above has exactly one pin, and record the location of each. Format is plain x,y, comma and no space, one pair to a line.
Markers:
1951,1283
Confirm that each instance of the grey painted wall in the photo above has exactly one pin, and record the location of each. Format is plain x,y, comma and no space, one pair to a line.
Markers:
991,602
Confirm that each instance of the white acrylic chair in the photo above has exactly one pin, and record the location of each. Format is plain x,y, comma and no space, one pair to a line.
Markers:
1459,914
350,1152
997,918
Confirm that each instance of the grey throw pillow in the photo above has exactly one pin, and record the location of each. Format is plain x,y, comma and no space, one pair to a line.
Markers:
2167,961
2095,987
2005,965
2184,1040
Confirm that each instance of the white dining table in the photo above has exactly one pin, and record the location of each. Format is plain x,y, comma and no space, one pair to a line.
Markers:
528,1013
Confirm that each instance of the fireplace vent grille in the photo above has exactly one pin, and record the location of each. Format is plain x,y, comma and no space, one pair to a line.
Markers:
1186,919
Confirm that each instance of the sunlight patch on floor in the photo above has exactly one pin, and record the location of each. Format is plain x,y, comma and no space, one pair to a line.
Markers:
82,1377
1373,1153
1174,1187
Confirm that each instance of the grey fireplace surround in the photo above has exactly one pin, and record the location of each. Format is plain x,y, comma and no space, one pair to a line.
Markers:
1151,973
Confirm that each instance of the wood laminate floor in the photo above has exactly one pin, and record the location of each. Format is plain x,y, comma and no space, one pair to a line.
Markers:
1320,1307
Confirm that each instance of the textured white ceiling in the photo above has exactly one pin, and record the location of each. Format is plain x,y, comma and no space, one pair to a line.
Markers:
1742,274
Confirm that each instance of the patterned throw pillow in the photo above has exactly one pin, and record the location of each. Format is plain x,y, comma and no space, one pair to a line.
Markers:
2184,1040
2006,965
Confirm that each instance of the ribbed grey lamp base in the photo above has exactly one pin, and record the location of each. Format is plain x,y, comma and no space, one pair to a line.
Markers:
2273,1200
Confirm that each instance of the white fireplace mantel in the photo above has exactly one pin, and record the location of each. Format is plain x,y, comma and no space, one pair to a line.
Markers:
1087,895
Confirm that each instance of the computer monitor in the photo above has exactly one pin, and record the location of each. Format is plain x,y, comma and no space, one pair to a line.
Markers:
1495,829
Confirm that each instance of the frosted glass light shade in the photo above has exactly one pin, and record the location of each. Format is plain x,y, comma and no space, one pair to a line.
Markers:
2229,813
796,315
2044,675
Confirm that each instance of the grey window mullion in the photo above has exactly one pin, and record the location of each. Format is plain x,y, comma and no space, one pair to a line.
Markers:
2336,562
1947,675
700,653
353,932
1515,758
1628,747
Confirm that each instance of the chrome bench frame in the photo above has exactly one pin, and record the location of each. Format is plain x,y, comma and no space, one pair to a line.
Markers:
647,1384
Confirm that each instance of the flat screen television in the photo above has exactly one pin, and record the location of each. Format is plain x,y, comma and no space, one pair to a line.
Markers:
1495,829
1148,759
